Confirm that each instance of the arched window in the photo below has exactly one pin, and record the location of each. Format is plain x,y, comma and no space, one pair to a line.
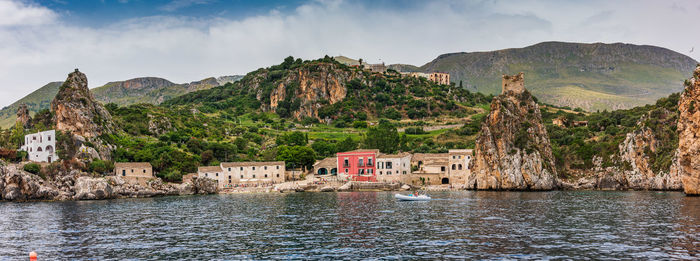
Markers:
454,167
459,167
38,149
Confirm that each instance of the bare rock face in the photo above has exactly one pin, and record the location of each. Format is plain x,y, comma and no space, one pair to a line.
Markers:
204,185
23,117
325,82
513,150
17,184
639,174
93,188
688,132
77,111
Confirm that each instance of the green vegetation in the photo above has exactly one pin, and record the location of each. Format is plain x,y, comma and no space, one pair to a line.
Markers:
32,168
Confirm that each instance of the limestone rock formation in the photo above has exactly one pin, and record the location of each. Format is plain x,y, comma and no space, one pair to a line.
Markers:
16,184
77,111
23,117
640,176
204,185
309,86
688,132
93,188
513,150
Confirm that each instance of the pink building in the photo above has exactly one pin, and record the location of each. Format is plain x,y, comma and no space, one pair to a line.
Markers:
358,165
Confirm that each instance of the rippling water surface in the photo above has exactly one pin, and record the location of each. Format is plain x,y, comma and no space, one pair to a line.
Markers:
359,225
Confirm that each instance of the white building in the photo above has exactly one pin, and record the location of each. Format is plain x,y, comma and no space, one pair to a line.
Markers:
41,146
393,167
230,174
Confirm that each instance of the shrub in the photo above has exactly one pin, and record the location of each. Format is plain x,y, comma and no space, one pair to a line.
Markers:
359,124
32,168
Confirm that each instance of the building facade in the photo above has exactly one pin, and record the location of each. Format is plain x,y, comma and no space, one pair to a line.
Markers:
358,165
133,169
440,78
327,166
252,172
41,146
458,166
393,167
212,172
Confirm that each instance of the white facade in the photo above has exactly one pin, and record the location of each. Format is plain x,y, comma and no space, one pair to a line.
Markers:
393,168
41,146
229,174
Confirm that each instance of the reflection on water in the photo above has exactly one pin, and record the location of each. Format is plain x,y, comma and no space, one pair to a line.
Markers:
520,225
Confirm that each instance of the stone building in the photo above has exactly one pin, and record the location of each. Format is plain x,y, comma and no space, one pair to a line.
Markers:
376,68
458,166
235,173
133,169
327,166
41,146
393,167
513,83
429,169
212,172
440,78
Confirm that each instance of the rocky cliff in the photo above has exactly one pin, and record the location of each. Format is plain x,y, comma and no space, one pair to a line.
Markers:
688,131
23,117
512,150
310,87
77,111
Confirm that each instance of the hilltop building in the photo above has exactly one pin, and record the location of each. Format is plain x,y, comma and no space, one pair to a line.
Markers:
440,78
41,146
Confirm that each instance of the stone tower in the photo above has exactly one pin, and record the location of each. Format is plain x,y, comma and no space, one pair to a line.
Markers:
514,83
23,117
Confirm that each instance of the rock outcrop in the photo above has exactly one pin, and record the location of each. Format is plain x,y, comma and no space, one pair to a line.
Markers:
513,150
688,132
93,188
17,184
23,117
77,111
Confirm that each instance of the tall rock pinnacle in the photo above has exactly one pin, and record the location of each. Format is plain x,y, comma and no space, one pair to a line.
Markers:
513,151
76,110
688,130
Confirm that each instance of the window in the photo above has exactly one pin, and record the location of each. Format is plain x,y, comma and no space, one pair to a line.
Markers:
389,165
217,174
404,172
346,171
360,162
388,172
33,137
253,168
442,168
241,168
229,169
278,167
346,163
454,167
206,174
265,167
123,172
369,161
266,175
49,137
370,171
380,172
253,175
278,175
132,170
241,176
459,157
459,167
361,171
229,177
453,157
144,171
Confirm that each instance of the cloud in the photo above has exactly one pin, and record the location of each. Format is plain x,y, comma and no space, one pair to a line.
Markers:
14,13
184,49
178,4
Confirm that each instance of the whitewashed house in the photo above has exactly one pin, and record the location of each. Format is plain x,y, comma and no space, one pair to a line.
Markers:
41,146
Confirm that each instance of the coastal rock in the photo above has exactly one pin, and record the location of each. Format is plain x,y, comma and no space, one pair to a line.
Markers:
17,184
513,150
639,173
405,187
77,111
327,189
346,187
204,185
93,188
688,129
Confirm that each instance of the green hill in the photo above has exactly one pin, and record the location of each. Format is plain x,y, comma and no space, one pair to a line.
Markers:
591,76
36,101
139,90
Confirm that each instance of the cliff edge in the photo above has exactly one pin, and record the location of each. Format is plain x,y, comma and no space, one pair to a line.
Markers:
688,129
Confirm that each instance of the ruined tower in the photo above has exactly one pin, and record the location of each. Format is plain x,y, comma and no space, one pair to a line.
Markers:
514,83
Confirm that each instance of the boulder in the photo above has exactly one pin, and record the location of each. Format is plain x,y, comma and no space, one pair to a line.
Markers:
327,189
93,188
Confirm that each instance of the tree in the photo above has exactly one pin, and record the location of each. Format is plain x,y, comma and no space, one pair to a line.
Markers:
296,138
384,137
17,136
347,144
296,156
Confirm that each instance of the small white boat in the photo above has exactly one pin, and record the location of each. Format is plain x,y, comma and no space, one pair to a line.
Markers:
412,197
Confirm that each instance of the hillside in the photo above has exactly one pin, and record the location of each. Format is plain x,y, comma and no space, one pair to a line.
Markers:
591,76
139,90
35,101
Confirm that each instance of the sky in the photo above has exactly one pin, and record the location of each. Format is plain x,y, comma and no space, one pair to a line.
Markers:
187,40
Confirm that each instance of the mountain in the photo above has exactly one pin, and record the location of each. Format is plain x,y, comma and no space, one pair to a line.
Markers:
139,90
594,76
152,90
35,101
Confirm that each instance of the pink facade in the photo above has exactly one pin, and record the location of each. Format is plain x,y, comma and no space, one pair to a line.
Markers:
359,165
